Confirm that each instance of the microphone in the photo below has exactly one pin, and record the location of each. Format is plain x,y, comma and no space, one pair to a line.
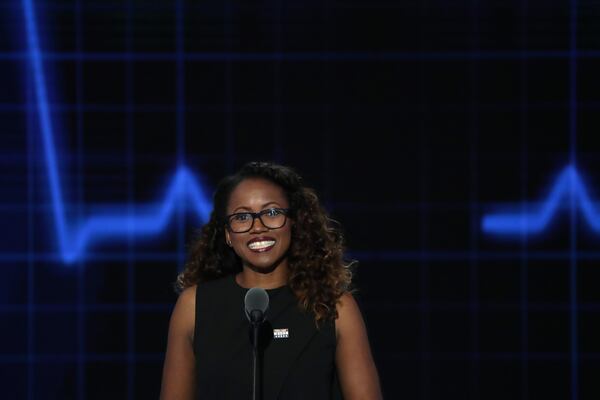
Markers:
256,303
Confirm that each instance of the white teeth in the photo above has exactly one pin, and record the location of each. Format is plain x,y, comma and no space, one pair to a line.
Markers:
261,245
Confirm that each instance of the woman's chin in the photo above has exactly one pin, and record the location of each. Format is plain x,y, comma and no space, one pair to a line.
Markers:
265,265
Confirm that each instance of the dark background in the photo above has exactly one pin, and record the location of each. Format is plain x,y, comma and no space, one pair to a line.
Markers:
412,120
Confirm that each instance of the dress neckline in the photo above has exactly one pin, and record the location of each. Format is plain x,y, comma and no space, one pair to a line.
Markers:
244,289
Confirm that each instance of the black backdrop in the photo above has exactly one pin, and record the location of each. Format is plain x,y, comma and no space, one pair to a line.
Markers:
412,119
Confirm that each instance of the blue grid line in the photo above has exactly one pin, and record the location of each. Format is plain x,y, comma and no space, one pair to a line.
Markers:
230,154
307,56
363,256
72,358
444,305
290,109
278,105
524,276
425,304
373,304
394,255
441,356
45,308
491,356
131,272
30,244
337,207
73,242
474,213
572,200
180,120
81,288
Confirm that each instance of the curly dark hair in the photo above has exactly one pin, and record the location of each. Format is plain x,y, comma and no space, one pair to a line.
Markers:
318,276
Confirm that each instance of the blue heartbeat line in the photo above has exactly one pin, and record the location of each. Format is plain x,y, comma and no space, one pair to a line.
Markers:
73,242
568,189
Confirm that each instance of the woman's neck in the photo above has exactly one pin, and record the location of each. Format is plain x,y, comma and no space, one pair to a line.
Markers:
249,278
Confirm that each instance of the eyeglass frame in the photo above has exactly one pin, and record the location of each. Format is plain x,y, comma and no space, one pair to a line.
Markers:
286,213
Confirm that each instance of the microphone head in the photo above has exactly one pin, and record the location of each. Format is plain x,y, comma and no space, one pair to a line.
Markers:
256,303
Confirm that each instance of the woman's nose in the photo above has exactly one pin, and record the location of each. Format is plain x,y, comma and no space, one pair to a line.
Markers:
258,226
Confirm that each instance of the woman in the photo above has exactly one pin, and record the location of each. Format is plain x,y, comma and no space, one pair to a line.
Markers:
268,230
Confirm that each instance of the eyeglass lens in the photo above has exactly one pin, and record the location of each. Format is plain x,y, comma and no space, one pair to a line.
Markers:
243,222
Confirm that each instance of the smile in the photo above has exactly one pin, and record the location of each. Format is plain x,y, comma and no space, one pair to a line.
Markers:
261,245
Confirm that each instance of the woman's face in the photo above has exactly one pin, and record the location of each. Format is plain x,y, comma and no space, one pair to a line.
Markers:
261,249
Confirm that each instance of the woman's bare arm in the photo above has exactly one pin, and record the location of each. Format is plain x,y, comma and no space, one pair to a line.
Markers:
355,366
179,381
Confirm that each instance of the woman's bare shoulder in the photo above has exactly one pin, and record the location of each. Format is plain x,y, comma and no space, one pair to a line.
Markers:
347,304
183,317
178,371
188,296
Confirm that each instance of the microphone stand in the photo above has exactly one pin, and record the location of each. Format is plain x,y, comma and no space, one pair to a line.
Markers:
256,319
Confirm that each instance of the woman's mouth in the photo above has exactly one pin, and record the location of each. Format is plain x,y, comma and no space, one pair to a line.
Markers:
260,245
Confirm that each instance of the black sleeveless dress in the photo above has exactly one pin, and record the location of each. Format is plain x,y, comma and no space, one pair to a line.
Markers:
298,363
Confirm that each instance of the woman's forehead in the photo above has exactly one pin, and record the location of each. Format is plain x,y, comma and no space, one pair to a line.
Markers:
255,193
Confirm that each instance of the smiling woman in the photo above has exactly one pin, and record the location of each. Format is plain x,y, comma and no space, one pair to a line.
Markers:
268,230
257,230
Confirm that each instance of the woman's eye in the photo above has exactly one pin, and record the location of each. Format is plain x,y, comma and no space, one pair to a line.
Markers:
273,212
241,217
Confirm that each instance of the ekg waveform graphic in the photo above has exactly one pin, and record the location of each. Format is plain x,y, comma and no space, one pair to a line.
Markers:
73,239
568,190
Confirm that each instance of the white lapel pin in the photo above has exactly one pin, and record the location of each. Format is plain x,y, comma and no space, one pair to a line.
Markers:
281,333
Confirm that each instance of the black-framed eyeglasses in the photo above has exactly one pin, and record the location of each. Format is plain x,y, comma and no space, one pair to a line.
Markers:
272,218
